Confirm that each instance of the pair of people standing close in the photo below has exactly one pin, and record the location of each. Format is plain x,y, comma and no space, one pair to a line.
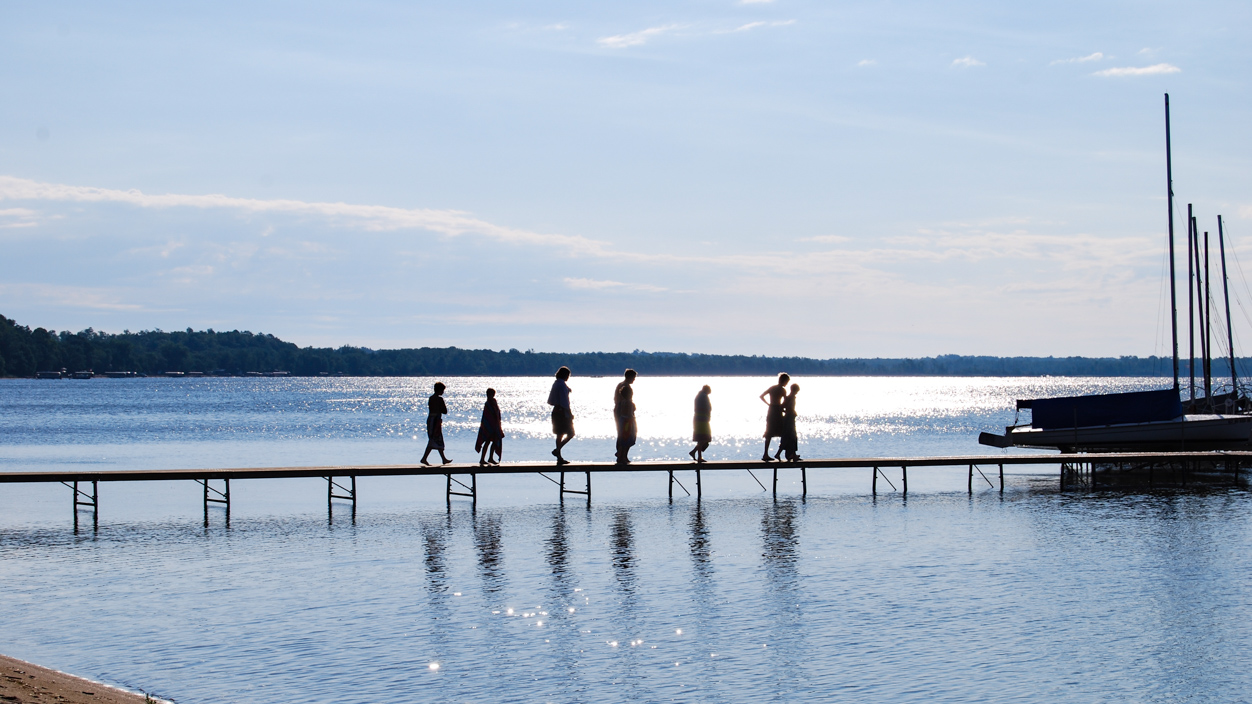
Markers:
780,420
490,442
623,415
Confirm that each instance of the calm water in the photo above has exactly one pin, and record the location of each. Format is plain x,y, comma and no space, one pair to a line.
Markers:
1029,596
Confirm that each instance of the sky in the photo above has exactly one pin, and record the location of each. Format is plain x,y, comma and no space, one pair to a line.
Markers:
824,179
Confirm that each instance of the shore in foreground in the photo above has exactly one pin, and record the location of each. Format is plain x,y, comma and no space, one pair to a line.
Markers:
25,682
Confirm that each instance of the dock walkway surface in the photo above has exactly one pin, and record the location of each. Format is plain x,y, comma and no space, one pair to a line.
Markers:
341,479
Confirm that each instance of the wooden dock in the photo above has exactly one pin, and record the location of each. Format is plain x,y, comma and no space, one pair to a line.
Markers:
341,479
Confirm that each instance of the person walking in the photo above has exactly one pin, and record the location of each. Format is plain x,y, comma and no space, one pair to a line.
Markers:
490,440
774,416
562,416
789,442
434,424
624,414
701,430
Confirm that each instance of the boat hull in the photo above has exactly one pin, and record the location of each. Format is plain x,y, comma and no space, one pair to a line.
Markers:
1192,433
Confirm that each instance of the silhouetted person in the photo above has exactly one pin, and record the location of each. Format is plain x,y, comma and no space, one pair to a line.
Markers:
774,416
789,442
562,417
624,414
701,429
490,442
434,424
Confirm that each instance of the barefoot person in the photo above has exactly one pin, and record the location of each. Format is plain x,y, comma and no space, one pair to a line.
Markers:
774,417
490,432
434,424
701,430
624,414
562,417
789,442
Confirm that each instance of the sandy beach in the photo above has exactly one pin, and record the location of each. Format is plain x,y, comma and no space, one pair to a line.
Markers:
25,682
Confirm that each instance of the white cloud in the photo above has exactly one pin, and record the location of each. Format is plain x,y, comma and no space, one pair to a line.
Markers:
753,25
74,297
17,217
559,26
867,62
967,62
601,285
826,239
451,223
1079,60
621,41
1155,70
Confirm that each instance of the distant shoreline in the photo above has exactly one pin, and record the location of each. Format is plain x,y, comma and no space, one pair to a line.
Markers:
24,352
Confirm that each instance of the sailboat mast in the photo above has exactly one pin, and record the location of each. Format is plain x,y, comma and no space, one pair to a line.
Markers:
1173,283
1190,306
1230,333
1199,291
1208,325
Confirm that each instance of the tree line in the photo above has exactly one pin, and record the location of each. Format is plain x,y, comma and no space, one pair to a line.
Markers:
25,351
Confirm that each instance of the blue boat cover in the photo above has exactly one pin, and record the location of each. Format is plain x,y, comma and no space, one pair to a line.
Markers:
1103,409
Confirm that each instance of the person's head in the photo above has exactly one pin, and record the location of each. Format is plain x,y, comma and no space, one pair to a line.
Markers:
707,389
491,393
630,375
783,379
439,387
795,388
563,373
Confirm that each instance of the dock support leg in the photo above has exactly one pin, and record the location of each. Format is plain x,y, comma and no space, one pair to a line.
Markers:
213,496
565,491
969,484
804,482
874,488
331,485
671,485
699,490
905,472
92,501
1001,478
775,482
471,489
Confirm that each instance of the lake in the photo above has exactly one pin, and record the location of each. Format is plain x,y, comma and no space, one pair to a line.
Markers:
1034,595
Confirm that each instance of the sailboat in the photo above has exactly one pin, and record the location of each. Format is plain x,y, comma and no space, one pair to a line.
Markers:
1158,420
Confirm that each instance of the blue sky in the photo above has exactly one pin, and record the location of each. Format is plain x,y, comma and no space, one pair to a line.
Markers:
820,179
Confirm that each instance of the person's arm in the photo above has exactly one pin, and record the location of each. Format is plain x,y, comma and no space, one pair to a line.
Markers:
763,396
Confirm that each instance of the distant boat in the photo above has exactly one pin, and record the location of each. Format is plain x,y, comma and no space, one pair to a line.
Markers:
85,374
48,375
1151,421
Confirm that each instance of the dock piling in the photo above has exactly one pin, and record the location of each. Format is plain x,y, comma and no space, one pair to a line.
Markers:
471,490
350,494
82,498
212,495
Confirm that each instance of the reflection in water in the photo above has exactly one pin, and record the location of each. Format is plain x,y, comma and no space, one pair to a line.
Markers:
623,552
490,559
630,608
562,623
779,535
434,540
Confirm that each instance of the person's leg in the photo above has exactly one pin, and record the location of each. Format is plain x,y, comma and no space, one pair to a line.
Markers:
426,454
482,456
766,457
